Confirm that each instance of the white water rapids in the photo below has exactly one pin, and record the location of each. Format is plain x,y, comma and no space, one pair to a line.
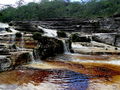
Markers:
49,32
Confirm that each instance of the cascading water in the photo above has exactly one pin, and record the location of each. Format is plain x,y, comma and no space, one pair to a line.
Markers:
32,57
22,42
36,55
4,25
66,46
49,32
10,35
8,38
13,38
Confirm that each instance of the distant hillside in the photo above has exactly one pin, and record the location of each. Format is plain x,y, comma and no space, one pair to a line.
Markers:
60,9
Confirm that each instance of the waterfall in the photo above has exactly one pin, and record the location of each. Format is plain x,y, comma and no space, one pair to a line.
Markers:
8,38
36,55
13,38
66,46
32,57
10,35
22,41
49,32
4,25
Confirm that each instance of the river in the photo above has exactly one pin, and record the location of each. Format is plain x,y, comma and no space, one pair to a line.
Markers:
65,72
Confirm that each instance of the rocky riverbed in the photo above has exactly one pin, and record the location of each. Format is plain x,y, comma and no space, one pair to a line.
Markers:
60,54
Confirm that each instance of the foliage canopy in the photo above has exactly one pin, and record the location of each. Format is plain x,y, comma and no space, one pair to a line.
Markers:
60,9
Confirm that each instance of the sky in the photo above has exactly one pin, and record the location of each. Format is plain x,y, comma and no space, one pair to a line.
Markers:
14,1
26,1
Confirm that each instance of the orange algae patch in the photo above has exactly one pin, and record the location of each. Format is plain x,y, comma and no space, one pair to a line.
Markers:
100,69
23,76
98,57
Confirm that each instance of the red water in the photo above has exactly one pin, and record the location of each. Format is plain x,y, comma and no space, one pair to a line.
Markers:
64,73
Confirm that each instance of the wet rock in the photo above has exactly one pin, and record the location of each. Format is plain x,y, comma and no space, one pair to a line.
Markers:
20,58
117,40
116,15
5,63
37,36
78,38
104,38
69,44
8,29
49,47
98,25
18,35
111,39
2,46
61,34
4,51
13,47
25,26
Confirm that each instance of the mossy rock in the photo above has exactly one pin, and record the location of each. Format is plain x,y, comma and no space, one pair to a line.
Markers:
49,47
61,34
77,38
8,29
21,58
18,35
37,35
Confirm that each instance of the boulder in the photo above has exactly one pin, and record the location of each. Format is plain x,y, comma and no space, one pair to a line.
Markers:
25,26
61,34
111,39
5,63
4,51
49,47
69,45
20,58
78,38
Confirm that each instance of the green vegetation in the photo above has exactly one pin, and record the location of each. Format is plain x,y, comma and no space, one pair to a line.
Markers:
60,8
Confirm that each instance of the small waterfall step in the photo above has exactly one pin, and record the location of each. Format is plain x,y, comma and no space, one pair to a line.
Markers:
66,46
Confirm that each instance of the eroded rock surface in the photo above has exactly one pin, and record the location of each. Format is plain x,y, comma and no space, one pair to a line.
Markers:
111,39
49,47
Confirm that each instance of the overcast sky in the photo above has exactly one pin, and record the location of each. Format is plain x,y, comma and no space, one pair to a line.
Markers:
14,1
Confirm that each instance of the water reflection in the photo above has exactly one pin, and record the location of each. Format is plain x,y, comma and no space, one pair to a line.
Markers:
43,80
69,80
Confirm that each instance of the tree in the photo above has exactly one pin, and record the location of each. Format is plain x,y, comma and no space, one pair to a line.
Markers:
20,3
59,9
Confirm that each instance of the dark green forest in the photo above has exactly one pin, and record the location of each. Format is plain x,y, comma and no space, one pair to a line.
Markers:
60,9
